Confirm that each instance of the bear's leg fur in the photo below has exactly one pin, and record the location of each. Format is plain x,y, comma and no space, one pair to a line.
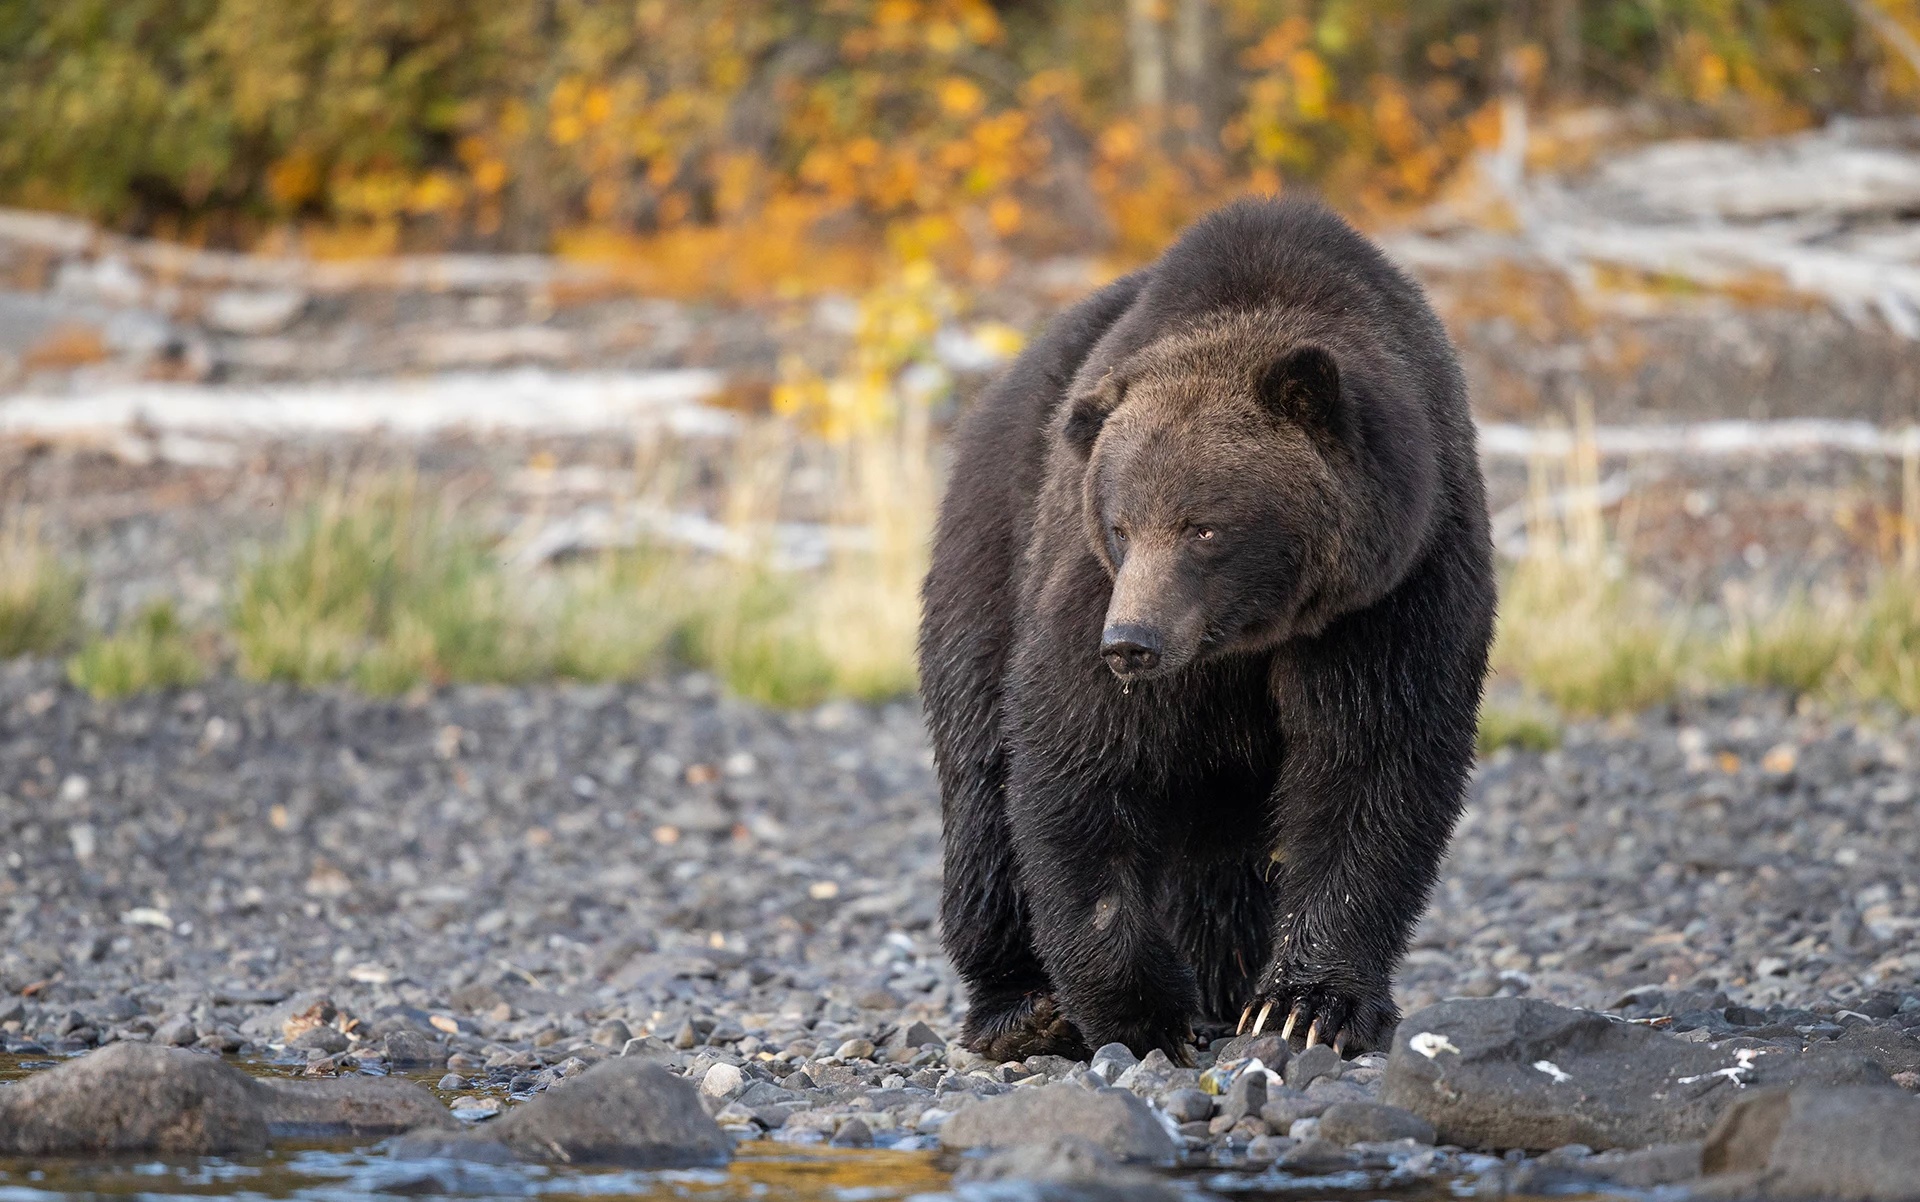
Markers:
1094,893
1378,714
1221,917
966,628
1010,1008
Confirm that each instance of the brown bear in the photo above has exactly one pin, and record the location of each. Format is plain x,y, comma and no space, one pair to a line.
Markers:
1204,635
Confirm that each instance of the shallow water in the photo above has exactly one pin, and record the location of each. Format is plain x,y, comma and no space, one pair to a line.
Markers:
337,1172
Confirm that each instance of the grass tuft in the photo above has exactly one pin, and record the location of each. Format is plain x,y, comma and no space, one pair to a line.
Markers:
39,595
375,587
1885,659
1522,727
1794,646
152,652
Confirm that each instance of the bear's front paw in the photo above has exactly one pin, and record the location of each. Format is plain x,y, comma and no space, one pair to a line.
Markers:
1015,1028
1323,1008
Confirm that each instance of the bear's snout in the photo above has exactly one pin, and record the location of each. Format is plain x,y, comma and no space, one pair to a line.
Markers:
1130,650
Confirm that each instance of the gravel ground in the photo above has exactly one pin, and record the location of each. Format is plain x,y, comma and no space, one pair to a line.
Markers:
529,878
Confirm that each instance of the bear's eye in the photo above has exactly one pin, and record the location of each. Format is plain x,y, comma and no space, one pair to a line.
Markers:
1120,534
1204,534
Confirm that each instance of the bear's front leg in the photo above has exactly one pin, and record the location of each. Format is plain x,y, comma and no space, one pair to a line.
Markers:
1090,890
1377,717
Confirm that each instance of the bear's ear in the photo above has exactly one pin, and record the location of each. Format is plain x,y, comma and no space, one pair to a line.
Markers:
1087,412
1304,385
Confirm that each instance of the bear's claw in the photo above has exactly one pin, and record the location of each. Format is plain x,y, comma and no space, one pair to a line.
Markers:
1339,1015
1016,1028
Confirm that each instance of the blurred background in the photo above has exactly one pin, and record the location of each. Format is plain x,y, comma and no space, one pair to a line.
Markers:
495,340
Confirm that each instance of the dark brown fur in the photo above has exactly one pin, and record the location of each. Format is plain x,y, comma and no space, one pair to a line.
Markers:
1209,610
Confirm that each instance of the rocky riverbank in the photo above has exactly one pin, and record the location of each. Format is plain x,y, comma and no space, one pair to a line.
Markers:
497,889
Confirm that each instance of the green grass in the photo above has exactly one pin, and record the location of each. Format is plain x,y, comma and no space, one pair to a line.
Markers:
152,652
379,589
1884,663
1588,644
1795,646
39,595
1520,726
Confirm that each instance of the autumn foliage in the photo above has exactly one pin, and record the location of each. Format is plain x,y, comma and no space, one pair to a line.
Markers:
764,146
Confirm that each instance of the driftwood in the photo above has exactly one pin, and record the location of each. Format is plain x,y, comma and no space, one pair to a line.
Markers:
1823,214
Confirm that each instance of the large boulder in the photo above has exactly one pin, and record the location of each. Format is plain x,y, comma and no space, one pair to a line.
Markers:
130,1097
620,1111
1859,1143
350,1106
1521,1073
1113,1119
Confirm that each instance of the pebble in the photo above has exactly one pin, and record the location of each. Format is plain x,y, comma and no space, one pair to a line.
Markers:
1672,889
722,1080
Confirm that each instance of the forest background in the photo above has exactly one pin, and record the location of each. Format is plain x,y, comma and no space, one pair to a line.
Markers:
908,155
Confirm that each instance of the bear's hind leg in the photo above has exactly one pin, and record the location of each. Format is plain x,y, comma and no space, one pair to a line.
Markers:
1011,1011
1014,1028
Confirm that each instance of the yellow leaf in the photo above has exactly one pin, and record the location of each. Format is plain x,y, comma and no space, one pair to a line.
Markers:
961,97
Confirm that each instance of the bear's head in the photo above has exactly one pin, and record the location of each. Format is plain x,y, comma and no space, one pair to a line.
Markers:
1222,494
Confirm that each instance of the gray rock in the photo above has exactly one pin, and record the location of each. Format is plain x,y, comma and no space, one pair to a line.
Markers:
358,1106
1522,1073
1066,1169
920,1035
1112,1059
176,1032
1062,1158
1156,1072
1287,1106
1268,1048
854,1133
1314,1156
621,1111
319,1039
1643,1168
1860,1143
1328,1090
1309,1066
410,1049
1887,1046
1187,1105
1370,1122
1264,1148
722,1081
1113,1118
130,1097
612,1034
271,1024
1244,1098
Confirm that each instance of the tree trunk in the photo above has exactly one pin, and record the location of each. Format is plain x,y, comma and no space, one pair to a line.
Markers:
1146,41
1197,69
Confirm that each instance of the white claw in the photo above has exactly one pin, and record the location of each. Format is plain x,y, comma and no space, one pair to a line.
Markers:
1244,1016
1313,1033
1262,1020
1286,1032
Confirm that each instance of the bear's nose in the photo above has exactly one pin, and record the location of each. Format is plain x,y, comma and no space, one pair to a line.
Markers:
1130,649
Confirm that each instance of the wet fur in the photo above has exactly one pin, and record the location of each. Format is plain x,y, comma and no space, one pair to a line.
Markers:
1264,824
